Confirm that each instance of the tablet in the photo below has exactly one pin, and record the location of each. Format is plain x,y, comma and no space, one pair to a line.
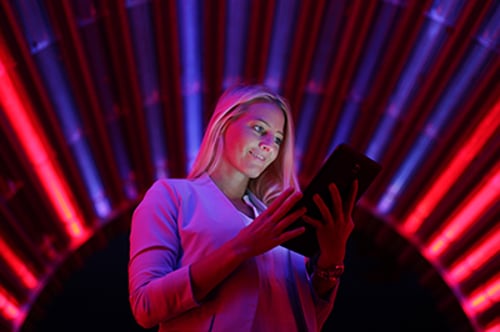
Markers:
342,167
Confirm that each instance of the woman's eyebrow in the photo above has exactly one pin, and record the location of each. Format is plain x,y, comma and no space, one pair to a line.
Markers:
264,121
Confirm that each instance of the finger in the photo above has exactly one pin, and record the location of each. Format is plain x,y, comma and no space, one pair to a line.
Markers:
313,222
279,200
336,200
290,202
323,209
285,207
290,219
351,201
291,234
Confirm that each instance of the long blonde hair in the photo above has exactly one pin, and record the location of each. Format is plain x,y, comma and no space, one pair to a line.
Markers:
232,103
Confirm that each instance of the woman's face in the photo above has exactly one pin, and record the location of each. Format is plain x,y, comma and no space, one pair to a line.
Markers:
252,140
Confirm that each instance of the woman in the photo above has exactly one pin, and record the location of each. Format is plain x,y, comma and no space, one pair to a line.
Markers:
205,251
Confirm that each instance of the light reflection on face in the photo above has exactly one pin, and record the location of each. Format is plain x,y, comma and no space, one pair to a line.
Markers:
252,140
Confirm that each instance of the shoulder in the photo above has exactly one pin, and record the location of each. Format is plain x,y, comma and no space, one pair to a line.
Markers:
176,188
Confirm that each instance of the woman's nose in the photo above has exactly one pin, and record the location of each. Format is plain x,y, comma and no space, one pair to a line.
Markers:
266,144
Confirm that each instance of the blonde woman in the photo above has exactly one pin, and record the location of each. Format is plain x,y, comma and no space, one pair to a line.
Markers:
205,251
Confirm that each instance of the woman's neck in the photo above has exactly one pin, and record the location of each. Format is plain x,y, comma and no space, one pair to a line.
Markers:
232,184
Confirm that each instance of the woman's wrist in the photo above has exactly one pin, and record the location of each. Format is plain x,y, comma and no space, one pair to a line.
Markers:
332,274
324,281
329,263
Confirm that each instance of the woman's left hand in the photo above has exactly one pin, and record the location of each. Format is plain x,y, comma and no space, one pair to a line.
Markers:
335,228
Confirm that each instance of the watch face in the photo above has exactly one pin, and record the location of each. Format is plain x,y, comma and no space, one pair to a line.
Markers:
333,273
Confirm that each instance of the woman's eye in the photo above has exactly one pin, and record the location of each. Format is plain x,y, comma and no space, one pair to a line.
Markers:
258,128
278,140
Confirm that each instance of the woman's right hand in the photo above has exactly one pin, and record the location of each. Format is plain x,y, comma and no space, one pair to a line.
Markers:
269,229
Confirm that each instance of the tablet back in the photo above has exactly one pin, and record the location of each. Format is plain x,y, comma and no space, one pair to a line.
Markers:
342,167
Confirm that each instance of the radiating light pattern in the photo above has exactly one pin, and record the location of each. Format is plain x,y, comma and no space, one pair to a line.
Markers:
475,257
487,195
364,75
430,40
46,55
108,88
484,131
468,74
32,141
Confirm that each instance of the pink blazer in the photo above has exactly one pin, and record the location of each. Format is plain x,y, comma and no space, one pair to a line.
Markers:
177,223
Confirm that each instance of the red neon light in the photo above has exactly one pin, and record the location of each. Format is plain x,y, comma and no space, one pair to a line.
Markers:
486,128
493,327
487,195
8,307
483,251
485,296
17,266
33,145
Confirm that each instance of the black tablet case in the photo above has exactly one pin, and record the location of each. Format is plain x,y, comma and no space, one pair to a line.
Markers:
342,166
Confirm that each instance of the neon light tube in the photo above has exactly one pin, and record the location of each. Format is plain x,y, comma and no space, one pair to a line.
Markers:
487,127
283,31
9,308
145,57
32,140
472,260
192,79
17,266
484,297
487,195
237,32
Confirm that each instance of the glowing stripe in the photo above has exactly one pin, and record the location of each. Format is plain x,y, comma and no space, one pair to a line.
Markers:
365,73
282,36
485,296
487,195
17,266
8,308
483,132
237,32
493,327
483,251
33,145
191,76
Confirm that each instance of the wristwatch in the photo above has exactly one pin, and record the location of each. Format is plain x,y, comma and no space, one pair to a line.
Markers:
331,274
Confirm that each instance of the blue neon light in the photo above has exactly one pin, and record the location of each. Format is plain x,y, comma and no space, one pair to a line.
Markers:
94,47
364,75
41,41
323,56
284,24
237,32
473,66
142,31
189,17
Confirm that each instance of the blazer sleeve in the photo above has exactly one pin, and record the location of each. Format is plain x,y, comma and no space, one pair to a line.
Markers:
323,305
158,288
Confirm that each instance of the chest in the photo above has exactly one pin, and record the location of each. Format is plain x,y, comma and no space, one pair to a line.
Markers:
204,225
